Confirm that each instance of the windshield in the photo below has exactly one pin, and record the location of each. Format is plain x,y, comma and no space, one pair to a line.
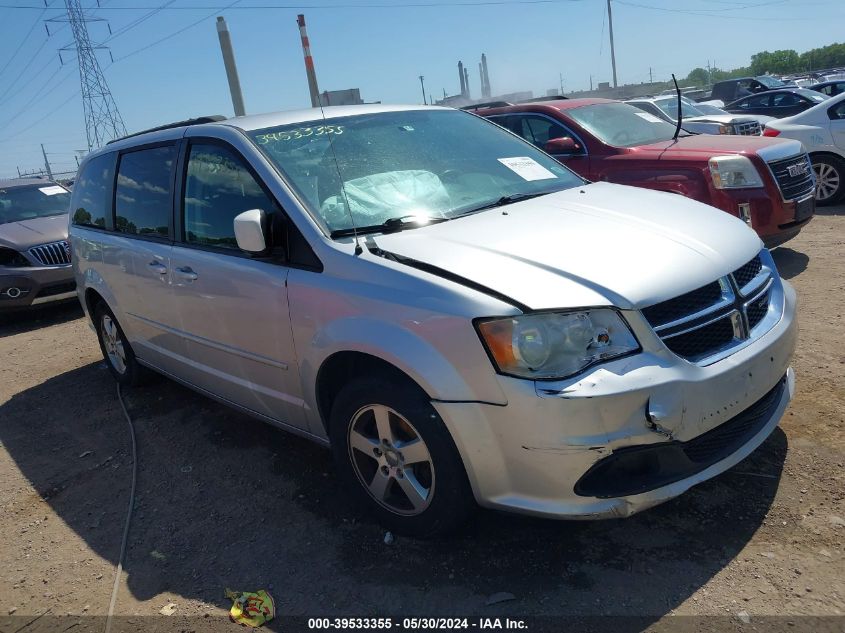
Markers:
770,82
622,125
707,108
32,201
434,164
670,107
812,95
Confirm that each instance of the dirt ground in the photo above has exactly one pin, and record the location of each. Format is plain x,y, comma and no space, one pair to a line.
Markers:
225,501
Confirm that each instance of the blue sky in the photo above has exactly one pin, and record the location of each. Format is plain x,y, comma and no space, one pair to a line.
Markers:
380,49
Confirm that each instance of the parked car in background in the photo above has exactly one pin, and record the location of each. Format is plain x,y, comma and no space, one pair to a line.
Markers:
822,131
732,89
777,103
829,88
696,119
458,316
34,253
767,184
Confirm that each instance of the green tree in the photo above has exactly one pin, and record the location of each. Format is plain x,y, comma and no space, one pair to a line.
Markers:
698,77
778,62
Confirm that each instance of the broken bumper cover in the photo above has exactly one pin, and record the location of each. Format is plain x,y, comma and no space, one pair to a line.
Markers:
535,454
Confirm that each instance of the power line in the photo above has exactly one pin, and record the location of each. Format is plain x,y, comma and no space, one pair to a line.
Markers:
23,41
49,114
434,3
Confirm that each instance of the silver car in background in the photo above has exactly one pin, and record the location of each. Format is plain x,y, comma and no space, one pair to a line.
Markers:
458,316
34,252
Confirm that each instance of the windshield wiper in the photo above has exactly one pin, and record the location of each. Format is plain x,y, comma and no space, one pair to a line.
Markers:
391,225
505,200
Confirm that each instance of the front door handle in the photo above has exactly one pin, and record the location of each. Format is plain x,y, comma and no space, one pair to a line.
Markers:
187,273
157,267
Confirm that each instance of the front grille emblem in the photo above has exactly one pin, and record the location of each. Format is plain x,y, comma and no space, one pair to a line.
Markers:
798,170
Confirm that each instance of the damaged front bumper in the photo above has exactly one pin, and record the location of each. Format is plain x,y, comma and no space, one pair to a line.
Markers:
627,435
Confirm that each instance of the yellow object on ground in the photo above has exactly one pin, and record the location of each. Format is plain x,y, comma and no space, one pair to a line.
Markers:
251,608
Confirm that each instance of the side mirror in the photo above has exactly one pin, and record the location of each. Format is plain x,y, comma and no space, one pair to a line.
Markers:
250,230
562,145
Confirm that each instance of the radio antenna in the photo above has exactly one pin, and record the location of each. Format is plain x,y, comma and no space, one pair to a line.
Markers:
317,100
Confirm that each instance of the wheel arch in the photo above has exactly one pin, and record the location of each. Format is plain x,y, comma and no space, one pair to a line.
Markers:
341,367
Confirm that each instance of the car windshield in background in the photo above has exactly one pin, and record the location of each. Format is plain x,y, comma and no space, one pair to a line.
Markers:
622,125
670,107
812,95
771,82
415,164
36,201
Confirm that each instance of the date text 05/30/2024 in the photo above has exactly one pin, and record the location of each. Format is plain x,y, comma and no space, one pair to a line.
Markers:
412,624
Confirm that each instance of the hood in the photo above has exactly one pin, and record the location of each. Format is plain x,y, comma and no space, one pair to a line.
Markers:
702,146
28,233
600,244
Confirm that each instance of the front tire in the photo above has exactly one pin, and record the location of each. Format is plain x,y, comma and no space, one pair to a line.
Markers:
116,350
830,179
394,451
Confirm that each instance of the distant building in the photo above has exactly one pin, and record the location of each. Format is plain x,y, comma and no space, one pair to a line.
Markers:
352,96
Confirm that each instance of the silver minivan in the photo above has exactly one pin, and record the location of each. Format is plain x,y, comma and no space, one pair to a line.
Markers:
463,320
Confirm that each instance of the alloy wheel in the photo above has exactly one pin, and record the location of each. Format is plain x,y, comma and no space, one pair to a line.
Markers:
828,181
391,460
113,344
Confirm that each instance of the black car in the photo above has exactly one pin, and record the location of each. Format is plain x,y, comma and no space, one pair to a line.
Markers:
830,88
732,89
777,103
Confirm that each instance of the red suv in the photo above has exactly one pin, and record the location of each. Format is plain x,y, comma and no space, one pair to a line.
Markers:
767,183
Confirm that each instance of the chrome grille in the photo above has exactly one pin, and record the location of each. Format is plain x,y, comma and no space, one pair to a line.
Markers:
749,128
711,320
53,254
794,176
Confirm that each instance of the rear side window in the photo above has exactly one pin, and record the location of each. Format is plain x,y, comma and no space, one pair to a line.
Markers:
90,192
143,194
218,187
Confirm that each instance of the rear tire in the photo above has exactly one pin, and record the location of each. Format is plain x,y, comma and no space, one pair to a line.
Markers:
395,453
116,350
830,179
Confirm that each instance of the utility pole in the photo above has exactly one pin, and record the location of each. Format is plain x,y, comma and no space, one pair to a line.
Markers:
591,83
650,76
47,163
560,75
309,63
612,50
422,85
231,68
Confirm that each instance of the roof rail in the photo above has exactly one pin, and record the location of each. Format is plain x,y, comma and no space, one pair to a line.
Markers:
486,104
538,99
214,118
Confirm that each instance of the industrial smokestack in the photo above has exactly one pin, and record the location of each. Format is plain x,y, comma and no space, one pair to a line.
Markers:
466,82
231,68
486,83
309,63
461,76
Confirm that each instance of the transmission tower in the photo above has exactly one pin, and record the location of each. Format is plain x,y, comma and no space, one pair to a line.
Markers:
102,119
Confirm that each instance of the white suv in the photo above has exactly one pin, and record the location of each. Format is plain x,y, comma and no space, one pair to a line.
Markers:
460,317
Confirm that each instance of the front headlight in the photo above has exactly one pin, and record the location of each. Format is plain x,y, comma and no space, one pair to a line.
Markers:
555,344
724,129
734,172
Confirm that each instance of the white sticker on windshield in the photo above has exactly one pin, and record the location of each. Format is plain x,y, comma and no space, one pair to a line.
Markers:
51,191
527,167
649,117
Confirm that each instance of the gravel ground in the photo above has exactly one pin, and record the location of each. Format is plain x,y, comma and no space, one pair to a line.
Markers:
225,501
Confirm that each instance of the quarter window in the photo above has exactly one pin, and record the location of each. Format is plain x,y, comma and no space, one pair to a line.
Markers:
143,193
218,187
90,191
